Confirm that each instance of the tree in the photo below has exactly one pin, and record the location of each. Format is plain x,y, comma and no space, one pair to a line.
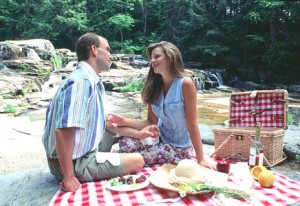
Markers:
259,36
121,22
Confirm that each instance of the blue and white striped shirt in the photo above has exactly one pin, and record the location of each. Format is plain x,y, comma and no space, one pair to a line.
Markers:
78,103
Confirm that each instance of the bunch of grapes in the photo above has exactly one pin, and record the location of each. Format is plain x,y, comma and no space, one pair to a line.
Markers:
123,180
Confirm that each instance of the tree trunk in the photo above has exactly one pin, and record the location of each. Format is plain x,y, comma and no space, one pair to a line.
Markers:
122,43
144,17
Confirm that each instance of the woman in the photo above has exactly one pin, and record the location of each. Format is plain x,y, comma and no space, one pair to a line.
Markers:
172,106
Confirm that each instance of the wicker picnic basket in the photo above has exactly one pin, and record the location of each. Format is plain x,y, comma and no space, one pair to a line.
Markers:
270,108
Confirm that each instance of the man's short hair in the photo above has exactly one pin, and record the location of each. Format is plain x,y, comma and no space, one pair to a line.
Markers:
84,43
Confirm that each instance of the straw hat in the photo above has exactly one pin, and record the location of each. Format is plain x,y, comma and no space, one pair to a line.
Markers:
186,170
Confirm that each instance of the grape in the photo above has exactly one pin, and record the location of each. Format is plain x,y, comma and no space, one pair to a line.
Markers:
122,179
140,179
130,180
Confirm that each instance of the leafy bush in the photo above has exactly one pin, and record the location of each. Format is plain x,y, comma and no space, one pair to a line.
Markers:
44,72
132,87
11,109
24,67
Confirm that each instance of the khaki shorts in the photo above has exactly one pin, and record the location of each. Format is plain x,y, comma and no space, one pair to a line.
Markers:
86,168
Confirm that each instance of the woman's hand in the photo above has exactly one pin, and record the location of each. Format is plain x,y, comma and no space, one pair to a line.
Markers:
149,131
115,120
207,164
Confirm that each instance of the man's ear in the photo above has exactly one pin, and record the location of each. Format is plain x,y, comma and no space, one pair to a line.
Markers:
93,50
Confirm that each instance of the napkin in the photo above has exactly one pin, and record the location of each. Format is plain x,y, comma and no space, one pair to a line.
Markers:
149,141
240,175
113,158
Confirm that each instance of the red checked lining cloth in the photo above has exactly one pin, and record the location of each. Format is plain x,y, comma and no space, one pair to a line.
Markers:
284,192
269,107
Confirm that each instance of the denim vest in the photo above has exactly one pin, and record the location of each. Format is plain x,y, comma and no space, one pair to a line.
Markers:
171,116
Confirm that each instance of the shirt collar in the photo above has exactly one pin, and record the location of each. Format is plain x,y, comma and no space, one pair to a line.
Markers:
86,67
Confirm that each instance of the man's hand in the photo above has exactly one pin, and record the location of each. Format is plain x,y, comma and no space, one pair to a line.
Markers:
69,184
64,149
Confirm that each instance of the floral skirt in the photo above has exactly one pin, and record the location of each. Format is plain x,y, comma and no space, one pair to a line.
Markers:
160,153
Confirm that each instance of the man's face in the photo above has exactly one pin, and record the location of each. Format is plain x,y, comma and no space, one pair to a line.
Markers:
103,57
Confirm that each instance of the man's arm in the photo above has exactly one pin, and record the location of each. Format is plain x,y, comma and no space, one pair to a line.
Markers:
64,150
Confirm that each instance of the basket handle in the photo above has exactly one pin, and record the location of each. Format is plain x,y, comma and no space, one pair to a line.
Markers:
222,145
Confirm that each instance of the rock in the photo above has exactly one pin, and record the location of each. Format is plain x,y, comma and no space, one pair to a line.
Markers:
27,48
31,187
66,55
294,88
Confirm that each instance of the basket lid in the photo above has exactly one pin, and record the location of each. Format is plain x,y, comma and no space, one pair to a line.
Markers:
269,107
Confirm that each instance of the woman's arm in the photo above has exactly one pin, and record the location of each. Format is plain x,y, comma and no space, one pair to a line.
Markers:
133,123
148,131
190,106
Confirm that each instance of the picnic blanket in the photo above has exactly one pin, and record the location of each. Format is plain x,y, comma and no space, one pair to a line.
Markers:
285,191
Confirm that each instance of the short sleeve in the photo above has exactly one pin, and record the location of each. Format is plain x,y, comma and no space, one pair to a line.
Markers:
73,104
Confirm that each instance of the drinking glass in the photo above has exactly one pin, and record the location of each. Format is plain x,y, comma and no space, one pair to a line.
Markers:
117,134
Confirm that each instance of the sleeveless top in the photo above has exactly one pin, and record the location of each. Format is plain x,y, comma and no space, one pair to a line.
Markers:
171,116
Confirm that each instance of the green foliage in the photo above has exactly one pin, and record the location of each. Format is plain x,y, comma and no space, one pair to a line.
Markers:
35,118
7,96
291,119
45,73
11,109
24,67
59,62
262,35
23,91
132,87
121,21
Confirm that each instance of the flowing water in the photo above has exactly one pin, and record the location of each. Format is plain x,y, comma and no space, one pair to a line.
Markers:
211,110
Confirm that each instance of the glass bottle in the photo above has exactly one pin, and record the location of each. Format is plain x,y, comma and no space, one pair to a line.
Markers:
256,149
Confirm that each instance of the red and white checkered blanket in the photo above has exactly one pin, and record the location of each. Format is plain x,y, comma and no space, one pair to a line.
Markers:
284,192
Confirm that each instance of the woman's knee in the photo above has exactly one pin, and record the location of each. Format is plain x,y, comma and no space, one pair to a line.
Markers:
128,144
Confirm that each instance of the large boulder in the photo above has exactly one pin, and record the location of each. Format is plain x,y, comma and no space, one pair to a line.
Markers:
37,49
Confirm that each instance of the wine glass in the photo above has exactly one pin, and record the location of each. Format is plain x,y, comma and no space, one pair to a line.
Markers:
154,145
117,134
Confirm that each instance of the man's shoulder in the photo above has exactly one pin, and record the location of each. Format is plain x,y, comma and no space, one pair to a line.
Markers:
78,75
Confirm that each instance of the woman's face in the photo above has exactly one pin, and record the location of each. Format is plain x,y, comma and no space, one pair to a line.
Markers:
160,61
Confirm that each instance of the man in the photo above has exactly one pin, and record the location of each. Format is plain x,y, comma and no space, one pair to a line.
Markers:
75,123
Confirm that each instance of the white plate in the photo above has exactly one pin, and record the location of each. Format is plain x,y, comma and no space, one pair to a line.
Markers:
126,188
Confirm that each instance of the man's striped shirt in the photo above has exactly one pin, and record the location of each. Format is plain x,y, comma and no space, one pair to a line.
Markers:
78,103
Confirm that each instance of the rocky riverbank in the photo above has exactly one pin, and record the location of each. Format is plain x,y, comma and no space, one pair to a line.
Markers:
24,175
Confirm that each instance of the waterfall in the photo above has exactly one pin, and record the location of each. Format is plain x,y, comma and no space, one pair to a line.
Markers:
31,53
220,82
219,79
199,83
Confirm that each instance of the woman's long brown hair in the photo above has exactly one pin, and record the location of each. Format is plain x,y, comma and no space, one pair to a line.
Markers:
154,82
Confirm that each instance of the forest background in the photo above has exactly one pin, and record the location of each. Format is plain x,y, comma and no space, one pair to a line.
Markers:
256,39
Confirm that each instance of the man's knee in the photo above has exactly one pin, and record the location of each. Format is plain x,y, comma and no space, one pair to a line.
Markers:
133,162
139,161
